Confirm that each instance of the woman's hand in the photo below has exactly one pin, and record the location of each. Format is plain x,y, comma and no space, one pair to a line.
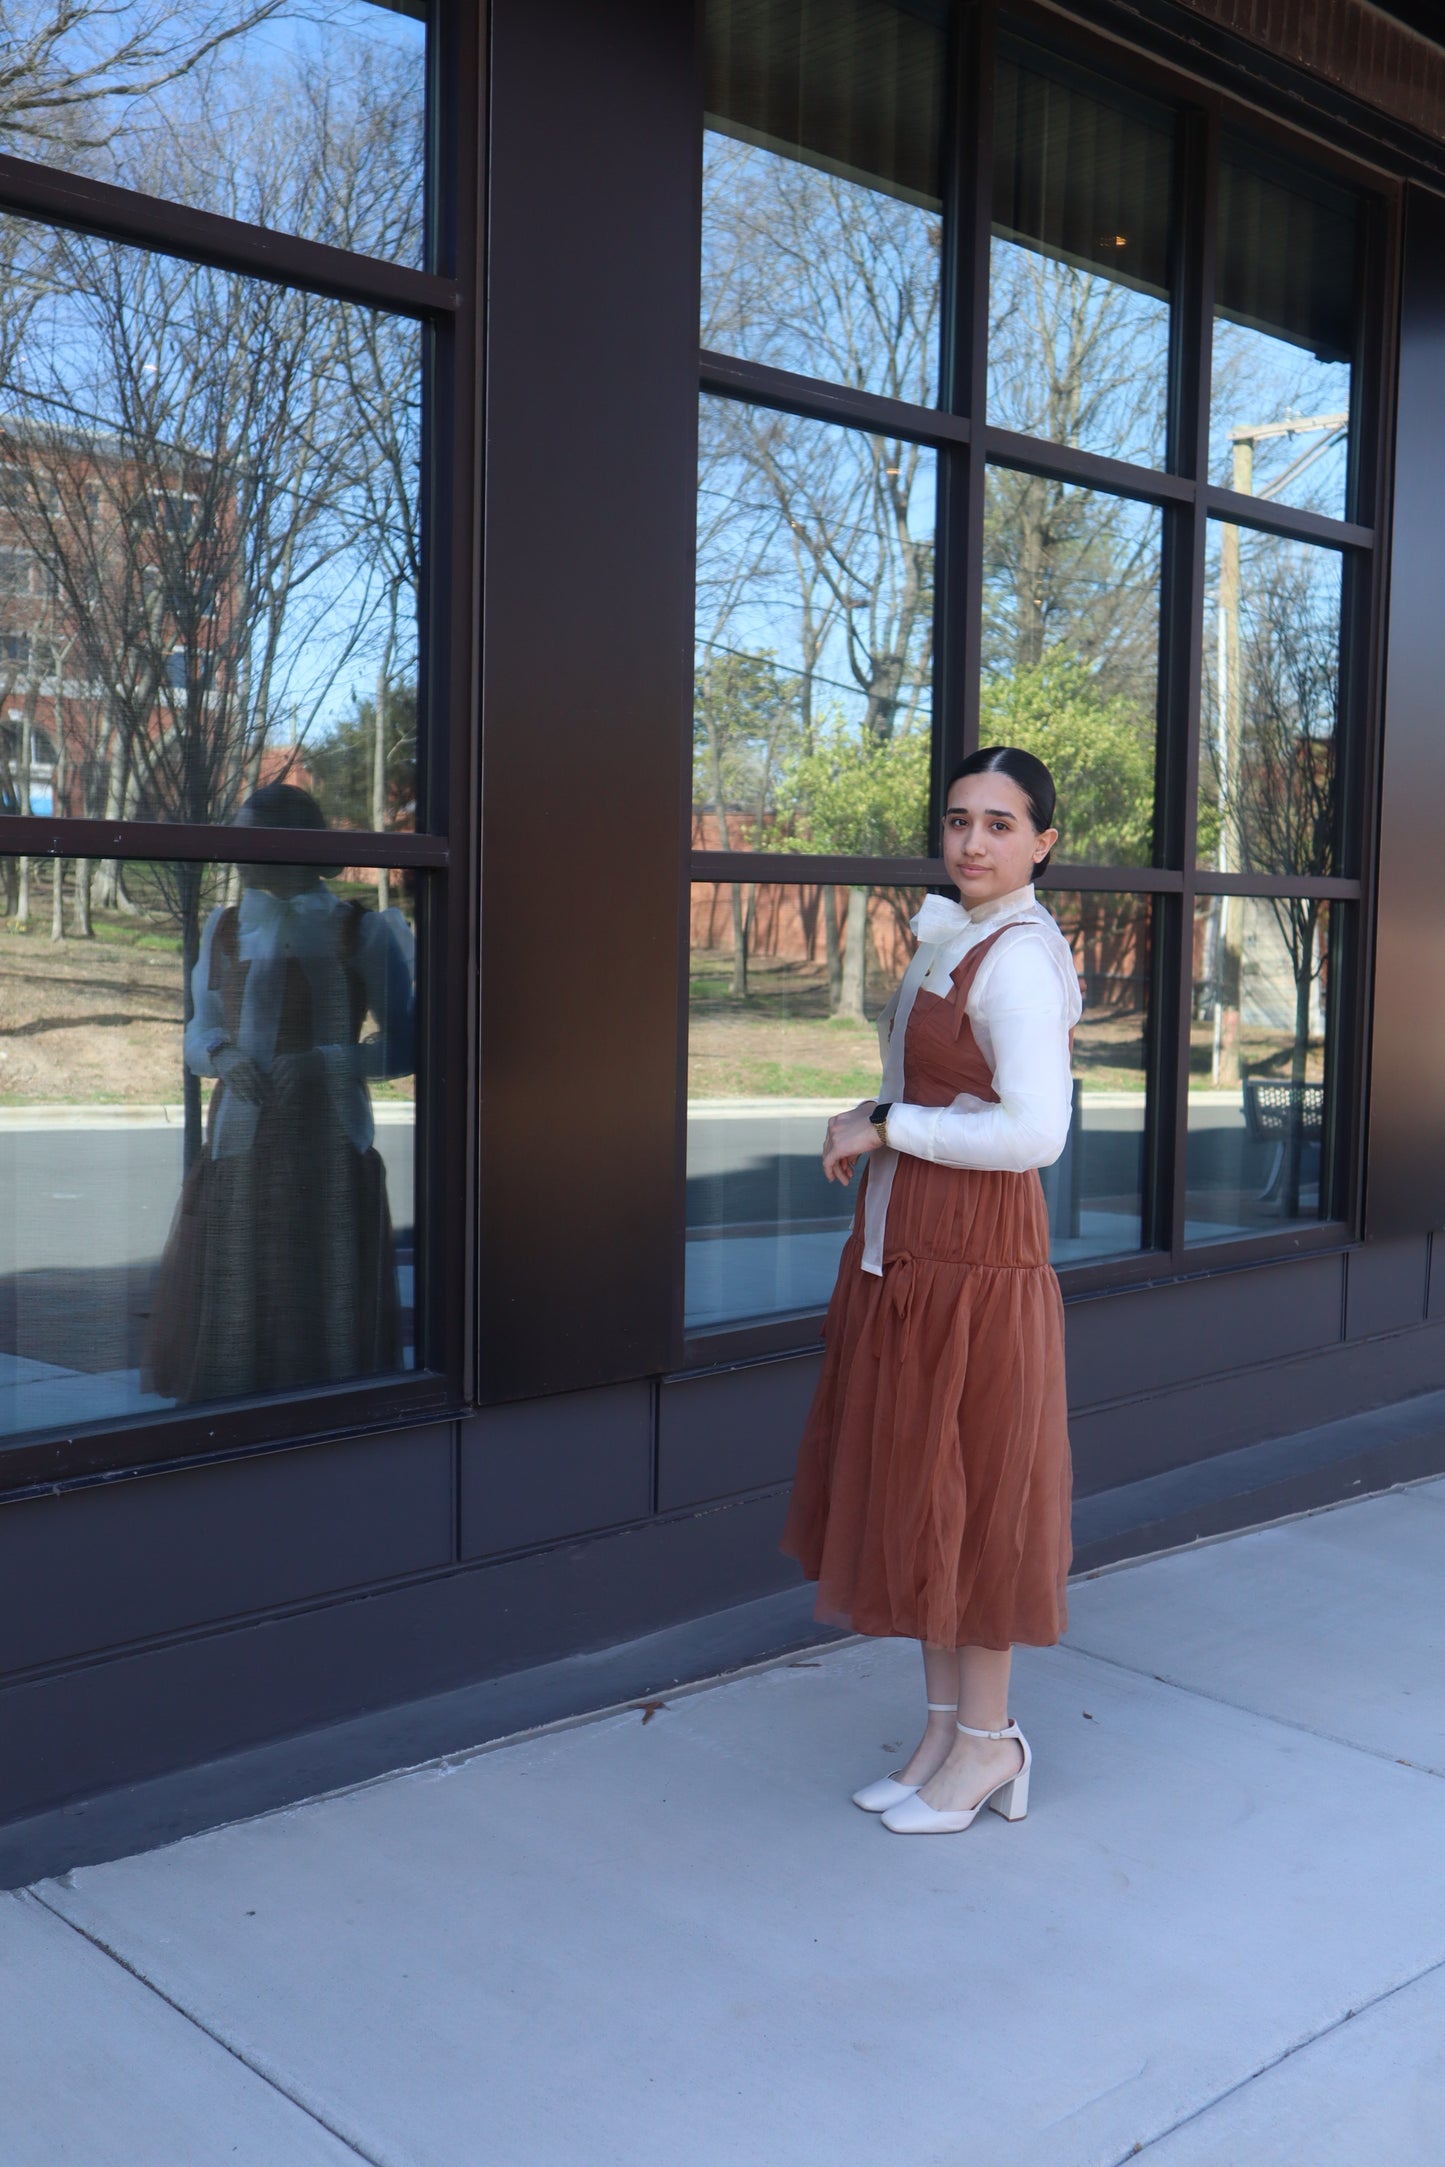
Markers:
851,1136
239,1073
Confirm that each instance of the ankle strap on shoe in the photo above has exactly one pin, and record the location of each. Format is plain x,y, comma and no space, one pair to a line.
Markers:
1009,1731
941,1707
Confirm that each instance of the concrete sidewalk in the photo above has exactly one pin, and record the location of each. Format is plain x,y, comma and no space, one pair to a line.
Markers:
664,1936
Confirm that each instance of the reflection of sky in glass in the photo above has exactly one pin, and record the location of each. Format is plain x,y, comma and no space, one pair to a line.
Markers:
815,548
133,364
1076,357
1263,384
1267,780
308,117
809,271
1072,570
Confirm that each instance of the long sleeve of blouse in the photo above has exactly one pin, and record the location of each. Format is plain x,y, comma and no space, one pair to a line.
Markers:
1019,1012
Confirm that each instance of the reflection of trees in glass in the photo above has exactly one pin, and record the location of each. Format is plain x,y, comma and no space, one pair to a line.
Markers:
1071,616
815,554
1075,356
119,91
808,271
216,479
1268,774
342,765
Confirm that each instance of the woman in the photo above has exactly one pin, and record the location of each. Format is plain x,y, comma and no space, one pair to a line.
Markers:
934,1480
280,1270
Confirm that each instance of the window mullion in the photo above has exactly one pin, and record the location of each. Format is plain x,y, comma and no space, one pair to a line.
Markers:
1186,611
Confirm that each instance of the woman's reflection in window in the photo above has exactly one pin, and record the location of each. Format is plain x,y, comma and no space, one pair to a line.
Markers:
280,1269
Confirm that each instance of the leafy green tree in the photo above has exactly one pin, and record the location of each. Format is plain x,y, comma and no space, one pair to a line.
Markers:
744,720
1098,748
861,796
744,723
341,763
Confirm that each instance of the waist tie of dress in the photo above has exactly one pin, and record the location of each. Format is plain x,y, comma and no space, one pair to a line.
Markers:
899,1286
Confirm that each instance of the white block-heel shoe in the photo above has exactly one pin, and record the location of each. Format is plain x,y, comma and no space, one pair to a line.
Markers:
888,1791
913,1816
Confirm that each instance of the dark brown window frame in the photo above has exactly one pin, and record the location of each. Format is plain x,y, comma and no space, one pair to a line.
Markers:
447,303
1188,500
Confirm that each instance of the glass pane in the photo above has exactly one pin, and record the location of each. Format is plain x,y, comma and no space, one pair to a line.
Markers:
206,1174
786,987
1257,1065
1285,322
822,223
308,116
209,540
1071,653
1080,270
1267,744
1095,1192
813,693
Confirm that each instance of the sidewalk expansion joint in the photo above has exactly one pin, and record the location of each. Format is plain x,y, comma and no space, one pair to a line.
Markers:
198,2024
1261,1715
1388,1993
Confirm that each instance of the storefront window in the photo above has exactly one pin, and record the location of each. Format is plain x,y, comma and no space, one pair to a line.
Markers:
1258,1090
823,191
222,559
1199,707
1080,272
215,571
1268,737
309,119
207,1132
786,985
813,692
1071,653
1285,326
1095,1190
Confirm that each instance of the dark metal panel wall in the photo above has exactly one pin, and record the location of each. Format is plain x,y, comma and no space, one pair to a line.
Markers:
1387,1286
97,1726
538,1471
1138,1438
590,465
1163,1336
732,1430
106,1567
1405,1182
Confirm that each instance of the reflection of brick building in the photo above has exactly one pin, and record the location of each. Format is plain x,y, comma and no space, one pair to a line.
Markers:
787,924
119,573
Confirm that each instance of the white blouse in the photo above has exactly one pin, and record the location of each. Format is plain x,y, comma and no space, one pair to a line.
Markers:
307,928
1022,1005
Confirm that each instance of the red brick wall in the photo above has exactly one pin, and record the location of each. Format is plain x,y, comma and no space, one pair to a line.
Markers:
1351,44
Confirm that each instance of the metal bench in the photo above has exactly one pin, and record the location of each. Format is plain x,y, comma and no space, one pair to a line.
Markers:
1289,1115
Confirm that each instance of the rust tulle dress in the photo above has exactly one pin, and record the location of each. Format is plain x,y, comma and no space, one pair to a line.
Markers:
280,1268
934,1480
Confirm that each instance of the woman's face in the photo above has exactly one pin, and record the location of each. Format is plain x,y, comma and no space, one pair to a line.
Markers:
282,881
990,846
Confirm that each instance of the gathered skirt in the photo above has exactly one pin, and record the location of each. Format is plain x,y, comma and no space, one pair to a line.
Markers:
934,1481
280,1268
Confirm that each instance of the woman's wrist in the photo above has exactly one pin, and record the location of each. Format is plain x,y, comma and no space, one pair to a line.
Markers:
879,1118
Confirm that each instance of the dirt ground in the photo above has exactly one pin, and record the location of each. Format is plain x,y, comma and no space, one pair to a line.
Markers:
779,1042
97,1022
94,1022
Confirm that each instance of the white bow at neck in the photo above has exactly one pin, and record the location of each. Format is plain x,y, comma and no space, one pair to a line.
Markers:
942,919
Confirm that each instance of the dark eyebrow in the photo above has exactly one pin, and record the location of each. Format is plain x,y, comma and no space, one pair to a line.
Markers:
991,812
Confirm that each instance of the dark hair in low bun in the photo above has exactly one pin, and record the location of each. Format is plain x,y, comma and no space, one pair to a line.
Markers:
1031,776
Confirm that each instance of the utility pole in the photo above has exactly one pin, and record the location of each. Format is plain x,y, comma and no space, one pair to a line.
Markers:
1229,713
